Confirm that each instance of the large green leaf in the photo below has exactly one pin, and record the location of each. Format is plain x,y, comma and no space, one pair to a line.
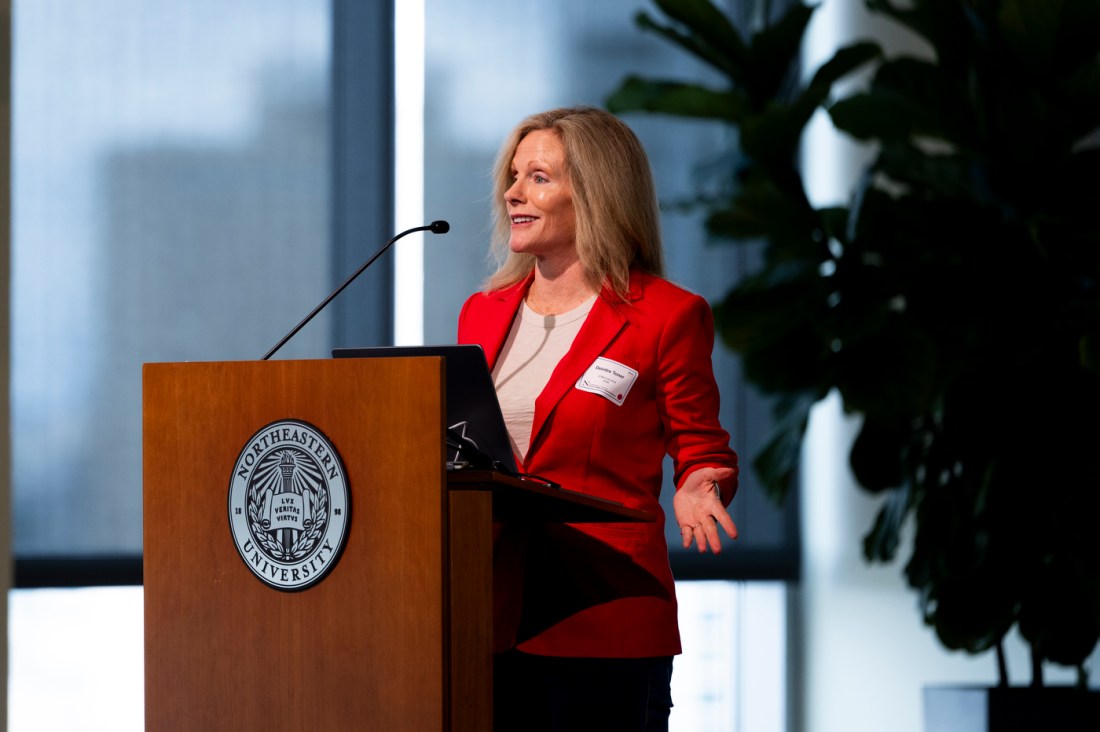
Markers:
761,209
1080,93
1059,614
707,22
772,320
908,97
771,137
677,98
1089,349
972,613
945,24
774,51
1030,30
877,461
846,60
776,464
752,317
948,175
1078,35
869,117
891,373
881,542
724,59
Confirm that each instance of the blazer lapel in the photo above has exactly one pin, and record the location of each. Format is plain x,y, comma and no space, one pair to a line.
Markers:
493,331
603,324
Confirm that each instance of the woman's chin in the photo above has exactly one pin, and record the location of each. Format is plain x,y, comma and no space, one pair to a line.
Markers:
520,247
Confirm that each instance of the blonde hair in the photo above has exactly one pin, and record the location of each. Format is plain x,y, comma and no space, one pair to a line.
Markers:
614,199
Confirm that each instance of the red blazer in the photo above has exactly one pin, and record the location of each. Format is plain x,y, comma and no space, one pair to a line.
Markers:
606,590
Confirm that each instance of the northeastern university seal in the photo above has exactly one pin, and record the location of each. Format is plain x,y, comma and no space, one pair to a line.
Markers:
289,504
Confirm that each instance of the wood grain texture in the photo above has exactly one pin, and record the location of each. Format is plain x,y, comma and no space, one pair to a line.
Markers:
369,646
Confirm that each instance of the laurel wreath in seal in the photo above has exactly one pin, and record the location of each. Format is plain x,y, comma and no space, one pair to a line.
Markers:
309,476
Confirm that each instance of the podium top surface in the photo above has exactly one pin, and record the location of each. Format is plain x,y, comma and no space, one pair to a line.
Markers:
516,499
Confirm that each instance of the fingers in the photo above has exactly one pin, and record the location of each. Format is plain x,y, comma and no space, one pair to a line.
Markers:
699,510
687,535
697,534
726,523
711,535
705,534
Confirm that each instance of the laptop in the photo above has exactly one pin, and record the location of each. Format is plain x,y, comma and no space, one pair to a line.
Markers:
476,435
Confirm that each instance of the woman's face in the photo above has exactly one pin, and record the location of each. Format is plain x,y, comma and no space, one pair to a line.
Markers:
540,200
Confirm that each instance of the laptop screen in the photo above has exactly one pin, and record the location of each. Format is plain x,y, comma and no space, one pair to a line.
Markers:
475,425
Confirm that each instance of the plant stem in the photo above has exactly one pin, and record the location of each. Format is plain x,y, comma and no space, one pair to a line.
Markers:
1036,666
1002,664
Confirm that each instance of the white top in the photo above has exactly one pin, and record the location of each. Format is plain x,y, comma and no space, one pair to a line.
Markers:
532,351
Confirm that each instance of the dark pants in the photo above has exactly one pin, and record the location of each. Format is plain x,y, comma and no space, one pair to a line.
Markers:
544,694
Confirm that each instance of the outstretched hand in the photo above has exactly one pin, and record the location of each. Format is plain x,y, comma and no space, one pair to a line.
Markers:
699,511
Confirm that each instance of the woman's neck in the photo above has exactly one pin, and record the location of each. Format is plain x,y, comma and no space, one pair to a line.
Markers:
553,293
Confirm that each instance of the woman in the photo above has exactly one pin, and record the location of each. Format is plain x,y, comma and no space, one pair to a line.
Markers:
601,367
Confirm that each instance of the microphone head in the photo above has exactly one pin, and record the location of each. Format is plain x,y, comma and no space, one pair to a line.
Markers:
440,227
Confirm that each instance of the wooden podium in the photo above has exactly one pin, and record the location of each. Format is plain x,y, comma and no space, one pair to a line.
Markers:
397,632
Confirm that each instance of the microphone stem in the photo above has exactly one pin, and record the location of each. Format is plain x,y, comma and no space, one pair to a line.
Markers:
340,289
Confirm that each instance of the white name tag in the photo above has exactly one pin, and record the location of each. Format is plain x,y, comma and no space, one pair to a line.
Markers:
610,379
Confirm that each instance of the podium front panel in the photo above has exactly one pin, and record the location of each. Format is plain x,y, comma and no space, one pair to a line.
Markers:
366,647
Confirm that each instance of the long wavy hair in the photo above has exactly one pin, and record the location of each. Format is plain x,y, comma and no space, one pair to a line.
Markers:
614,199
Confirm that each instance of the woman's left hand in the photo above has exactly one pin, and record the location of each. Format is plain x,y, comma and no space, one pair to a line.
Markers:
699,511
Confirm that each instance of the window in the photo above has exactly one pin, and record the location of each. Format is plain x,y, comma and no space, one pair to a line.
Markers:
485,70
170,202
189,181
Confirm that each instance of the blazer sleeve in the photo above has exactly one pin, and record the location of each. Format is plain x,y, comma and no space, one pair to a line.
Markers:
462,335
687,395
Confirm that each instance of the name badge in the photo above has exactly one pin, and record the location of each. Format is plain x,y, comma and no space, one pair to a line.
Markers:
610,379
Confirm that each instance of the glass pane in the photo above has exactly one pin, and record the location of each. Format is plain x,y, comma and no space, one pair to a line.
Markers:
76,659
170,202
733,672
488,64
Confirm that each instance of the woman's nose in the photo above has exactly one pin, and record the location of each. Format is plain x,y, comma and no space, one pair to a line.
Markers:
514,193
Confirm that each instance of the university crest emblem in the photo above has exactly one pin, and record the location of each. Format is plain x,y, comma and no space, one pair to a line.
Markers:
289,505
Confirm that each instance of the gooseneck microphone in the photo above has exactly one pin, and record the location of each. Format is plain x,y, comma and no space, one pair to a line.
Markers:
436,227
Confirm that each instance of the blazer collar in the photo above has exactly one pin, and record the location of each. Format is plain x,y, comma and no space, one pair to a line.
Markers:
508,301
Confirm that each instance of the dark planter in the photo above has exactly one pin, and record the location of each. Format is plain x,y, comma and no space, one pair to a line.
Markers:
1011,709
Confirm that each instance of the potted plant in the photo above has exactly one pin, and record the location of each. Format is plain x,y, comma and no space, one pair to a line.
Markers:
954,304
